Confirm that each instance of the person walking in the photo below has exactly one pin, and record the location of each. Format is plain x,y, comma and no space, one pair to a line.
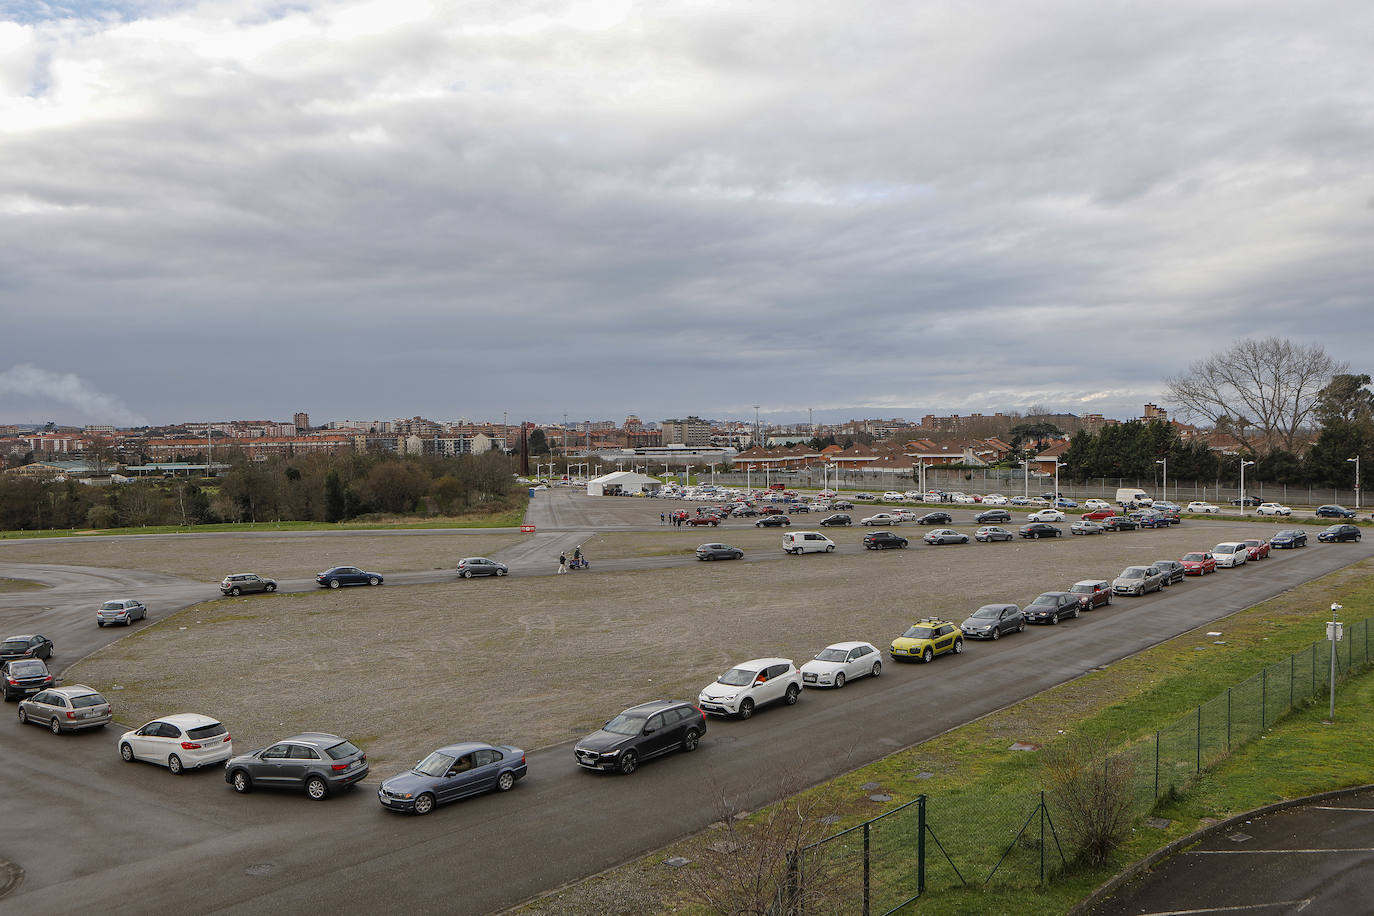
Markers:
562,563
662,519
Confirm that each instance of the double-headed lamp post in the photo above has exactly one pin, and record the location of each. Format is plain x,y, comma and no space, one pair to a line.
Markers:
1165,462
1334,633
1243,465
1057,466
1356,459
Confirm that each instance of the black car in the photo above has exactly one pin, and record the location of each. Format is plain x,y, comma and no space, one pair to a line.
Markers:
773,521
881,540
1245,501
641,733
316,762
1039,530
992,516
1339,533
992,620
799,507
1052,607
1334,512
719,552
1172,569
1118,523
935,518
22,677
1288,538
25,646
744,512
839,504
347,575
840,520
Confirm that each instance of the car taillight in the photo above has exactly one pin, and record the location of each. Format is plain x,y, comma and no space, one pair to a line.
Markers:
189,746
71,714
12,681
339,766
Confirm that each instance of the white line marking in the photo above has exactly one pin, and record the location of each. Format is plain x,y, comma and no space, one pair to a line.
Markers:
1233,909
1262,852
1338,808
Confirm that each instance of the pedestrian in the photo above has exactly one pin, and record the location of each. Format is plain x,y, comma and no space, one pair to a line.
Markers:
662,519
562,563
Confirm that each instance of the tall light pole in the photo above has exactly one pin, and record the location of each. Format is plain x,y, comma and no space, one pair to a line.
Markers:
1356,459
1025,470
1243,465
1333,633
1165,462
758,430
1057,466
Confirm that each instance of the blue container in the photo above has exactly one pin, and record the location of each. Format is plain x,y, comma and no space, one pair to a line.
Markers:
531,492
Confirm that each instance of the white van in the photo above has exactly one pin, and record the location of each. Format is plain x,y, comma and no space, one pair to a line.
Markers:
795,542
1230,554
1132,498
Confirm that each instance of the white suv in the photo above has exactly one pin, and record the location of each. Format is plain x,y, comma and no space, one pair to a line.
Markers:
1205,508
1273,509
751,684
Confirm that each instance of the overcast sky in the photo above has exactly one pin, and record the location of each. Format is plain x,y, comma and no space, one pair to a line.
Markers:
459,209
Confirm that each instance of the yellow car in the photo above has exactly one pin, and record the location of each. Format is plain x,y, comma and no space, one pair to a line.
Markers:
928,638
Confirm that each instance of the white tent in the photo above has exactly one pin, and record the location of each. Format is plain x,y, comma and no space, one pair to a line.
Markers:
621,483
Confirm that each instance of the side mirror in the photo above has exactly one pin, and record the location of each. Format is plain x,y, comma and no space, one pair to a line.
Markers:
649,729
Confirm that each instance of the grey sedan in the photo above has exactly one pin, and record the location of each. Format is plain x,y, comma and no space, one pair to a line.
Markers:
945,536
1137,580
451,773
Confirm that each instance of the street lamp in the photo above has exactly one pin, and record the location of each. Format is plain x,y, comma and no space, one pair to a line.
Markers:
1356,459
1243,465
1057,466
1165,462
1333,633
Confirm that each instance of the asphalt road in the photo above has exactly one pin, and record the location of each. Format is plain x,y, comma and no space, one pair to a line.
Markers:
93,832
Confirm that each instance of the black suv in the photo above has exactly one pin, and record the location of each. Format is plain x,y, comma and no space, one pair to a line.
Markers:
992,516
641,733
1339,533
313,761
1334,512
881,540
839,519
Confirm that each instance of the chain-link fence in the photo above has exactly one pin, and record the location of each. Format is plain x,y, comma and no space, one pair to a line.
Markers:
967,839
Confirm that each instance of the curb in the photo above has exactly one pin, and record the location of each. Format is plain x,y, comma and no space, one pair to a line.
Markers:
1141,866
11,876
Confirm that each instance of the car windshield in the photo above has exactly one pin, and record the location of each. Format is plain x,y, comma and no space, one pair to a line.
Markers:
1287,534
1194,557
14,645
624,725
342,749
737,677
90,699
990,610
112,606
436,764
917,632
28,669
1335,528
1081,589
1045,601
832,655
1133,572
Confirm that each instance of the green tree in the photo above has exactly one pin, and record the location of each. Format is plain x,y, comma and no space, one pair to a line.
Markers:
1346,400
334,510
1328,463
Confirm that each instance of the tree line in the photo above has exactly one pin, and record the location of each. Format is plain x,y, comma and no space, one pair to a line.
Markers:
319,488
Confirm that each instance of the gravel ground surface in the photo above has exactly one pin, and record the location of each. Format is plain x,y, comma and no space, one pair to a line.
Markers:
539,660
286,556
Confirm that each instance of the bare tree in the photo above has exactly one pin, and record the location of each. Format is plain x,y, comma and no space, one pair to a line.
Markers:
1091,782
1263,392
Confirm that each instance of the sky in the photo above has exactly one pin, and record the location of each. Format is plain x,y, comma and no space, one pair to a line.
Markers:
594,208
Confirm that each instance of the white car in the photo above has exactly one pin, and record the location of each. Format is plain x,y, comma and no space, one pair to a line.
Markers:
882,518
1203,508
751,684
892,496
1037,501
1091,504
994,499
907,515
184,741
913,495
1046,515
1231,553
964,498
844,661
1273,509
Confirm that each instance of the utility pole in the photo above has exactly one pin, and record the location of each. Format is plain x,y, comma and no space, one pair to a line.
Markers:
1333,633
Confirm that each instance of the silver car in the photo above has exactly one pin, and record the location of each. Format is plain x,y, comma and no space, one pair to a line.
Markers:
121,610
66,709
246,583
1137,580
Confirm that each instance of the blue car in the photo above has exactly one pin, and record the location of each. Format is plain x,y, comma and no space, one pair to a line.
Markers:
347,575
1288,538
1064,502
451,773
1334,512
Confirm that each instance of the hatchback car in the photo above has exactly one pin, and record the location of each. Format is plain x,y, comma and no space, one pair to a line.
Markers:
935,518
480,566
1046,515
1337,533
749,685
1172,569
992,516
1256,548
1288,539
882,540
316,762
641,733
25,645
1040,530
1334,512
1118,523
1137,580
836,665
453,772
22,677
1199,563
882,518
1230,554
66,709
839,520
184,741
1273,509
246,583
926,639
1052,607
989,533
338,576
718,552
945,536
1096,504
1086,526
991,621
1092,593
121,610
773,521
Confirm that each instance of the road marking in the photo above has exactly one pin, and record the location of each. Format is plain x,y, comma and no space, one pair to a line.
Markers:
1300,904
1254,852
1339,808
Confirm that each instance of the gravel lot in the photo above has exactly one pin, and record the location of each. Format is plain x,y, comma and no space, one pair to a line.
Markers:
537,660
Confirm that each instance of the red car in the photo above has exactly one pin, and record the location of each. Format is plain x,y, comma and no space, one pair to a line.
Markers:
698,520
1256,548
1098,515
1199,564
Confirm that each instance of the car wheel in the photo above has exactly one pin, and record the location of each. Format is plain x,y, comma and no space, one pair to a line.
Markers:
374,581
958,646
1075,613
839,680
126,752
505,781
23,716
100,623
333,583
996,633
174,764
424,804
746,708
236,591
269,587
317,788
793,691
877,669
54,726
1059,534
500,572
1054,619
831,548
242,782
629,762
689,740
927,655
467,574
1109,600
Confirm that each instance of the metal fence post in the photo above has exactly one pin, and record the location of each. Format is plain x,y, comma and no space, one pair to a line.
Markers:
1228,719
1042,837
1314,670
1199,739
1292,675
1264,698
921,844
866,868
1156,763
